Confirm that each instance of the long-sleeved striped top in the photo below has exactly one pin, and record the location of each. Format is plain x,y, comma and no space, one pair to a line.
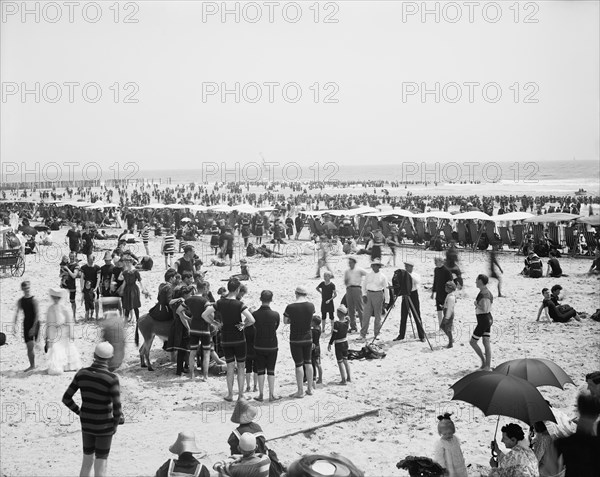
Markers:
100,410
169,243
256,465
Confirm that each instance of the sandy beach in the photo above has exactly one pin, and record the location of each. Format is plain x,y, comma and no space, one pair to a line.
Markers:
406,391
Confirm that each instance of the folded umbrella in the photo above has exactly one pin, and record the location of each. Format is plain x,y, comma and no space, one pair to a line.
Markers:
539,372
503,395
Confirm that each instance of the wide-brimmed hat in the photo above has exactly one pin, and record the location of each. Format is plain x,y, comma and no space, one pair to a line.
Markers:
244,413
377,261
104,350
186,442
243,260
342,309
301,290
56,292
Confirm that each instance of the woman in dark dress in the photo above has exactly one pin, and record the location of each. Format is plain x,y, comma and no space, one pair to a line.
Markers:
131,292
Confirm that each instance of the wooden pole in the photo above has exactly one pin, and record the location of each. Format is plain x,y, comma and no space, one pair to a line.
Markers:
326,424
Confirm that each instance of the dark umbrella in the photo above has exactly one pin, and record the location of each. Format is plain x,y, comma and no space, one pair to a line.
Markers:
503,395
539,372
41,228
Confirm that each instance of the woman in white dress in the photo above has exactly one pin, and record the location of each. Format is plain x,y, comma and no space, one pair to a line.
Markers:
62,353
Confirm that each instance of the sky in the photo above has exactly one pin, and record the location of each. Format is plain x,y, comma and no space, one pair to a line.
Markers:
360,67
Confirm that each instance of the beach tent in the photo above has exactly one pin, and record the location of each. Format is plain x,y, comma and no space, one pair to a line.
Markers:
593,220
246,209
511,216
221,208
547,218
475,232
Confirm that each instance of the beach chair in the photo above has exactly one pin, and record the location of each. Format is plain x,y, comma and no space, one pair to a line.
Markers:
553,233
432,227
420,231
461,229
447,229
505,236
591,241
410,231
570,238
474,231
538,232
518,234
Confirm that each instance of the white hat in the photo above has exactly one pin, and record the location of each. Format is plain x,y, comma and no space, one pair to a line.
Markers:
186,442
247,442
56,292
104,350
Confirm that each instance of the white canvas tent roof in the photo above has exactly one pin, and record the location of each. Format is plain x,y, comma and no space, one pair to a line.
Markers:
473,215
512,216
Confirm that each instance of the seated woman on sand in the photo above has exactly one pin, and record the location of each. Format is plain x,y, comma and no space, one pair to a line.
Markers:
559,314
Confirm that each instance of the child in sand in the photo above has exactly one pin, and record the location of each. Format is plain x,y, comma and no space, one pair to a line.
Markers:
447,451
339,337
88,297
315,330
244,272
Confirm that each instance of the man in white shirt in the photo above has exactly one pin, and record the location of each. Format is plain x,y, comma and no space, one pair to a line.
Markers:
414,296
353,278
375,294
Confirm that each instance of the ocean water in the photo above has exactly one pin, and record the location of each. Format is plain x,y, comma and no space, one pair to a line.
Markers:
573,174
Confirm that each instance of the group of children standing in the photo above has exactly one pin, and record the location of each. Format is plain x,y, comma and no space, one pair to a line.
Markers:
339,331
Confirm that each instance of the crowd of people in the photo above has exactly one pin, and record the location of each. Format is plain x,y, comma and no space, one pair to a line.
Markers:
223,335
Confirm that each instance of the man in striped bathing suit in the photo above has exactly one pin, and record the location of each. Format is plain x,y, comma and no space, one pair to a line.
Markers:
100,411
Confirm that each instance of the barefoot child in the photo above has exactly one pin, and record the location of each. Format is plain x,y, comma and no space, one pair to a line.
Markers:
327,290
448,312
339,337
316,348
88,298
447,451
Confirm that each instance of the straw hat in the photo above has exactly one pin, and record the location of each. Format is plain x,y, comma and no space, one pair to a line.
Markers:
342,309
247,442
104,350
377,261
186,442
243,413
409,264
56,292
353,258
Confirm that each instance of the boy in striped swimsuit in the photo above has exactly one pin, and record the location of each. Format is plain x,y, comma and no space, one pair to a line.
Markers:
145,233
100,411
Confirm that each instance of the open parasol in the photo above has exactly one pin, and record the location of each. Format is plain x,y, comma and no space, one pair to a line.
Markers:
503,395
539,372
